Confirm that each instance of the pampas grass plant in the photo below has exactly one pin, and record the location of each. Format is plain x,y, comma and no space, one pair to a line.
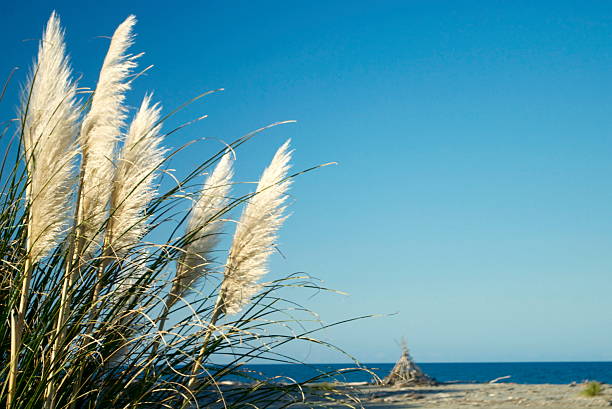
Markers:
85,298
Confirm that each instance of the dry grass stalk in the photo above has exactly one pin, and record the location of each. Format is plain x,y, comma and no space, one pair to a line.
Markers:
49,123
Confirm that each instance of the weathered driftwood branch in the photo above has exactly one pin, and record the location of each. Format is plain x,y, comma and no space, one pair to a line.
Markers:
499,379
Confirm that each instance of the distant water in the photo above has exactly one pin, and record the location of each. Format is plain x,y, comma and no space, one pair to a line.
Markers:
520,372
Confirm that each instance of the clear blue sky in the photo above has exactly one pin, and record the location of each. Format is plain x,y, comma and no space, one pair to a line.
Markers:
473,195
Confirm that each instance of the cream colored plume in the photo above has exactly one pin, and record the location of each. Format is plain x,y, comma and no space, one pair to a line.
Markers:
99,133
256,234
49,131
134,187
203,229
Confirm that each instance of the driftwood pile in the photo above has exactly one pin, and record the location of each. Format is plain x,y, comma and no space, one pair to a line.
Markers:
407,373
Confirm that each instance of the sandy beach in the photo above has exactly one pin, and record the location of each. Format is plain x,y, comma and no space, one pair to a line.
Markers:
493,396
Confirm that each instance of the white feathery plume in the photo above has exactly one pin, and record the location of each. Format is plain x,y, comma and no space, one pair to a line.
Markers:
100,131
255,235
203,229
134,181
49,131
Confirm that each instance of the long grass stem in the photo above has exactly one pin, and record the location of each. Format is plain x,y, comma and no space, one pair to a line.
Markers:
197,364
17,327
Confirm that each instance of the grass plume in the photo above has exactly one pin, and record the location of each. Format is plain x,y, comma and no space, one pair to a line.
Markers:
133,187
49,116
256,234
203,229
99,134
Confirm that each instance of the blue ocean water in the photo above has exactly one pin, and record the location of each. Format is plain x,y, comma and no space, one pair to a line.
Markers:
519,372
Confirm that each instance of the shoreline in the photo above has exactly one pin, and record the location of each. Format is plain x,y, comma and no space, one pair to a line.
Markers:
498,395
504,395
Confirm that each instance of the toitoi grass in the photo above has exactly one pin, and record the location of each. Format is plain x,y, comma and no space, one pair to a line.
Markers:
93,313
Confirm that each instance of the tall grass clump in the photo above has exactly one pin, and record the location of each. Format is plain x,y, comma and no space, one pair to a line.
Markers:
591,389
95,314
